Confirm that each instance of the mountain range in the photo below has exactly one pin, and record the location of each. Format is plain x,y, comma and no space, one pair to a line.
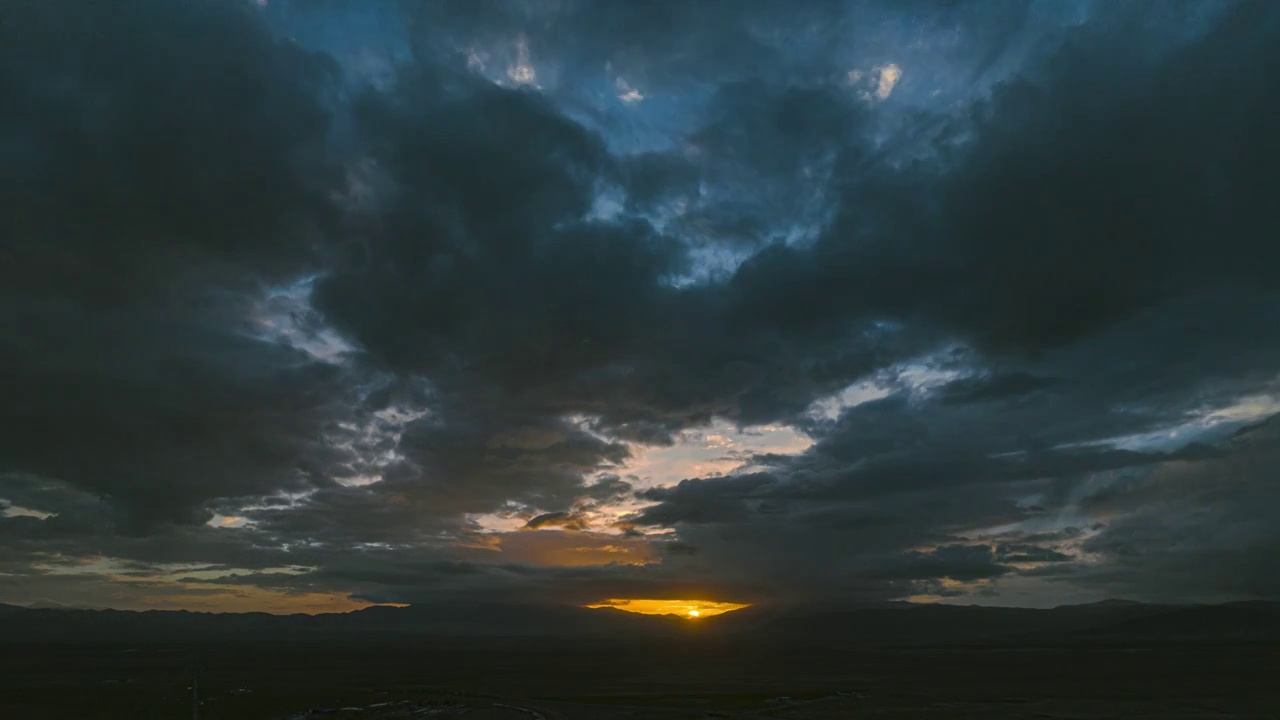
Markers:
891,624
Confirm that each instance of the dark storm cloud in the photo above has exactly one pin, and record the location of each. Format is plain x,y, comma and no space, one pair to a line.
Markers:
920,470
996,387
1103,182
1203,530
667,42
540,465
151,149
1120,189
480,269
158,414
1023,553
608,488
148,142
353,301
689,49
556,519
959,562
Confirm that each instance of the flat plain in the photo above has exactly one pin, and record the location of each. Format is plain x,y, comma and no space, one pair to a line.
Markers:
693,677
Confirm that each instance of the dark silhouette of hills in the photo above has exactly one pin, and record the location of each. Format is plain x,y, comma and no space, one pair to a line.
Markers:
1242,622
374,624
1108,622
893,624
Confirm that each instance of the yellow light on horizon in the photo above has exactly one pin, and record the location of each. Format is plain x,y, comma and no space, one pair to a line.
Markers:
688,609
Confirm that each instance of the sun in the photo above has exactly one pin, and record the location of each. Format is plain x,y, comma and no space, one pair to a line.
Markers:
687,609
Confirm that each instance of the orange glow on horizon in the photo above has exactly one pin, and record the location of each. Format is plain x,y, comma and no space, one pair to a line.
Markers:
689,609
247,599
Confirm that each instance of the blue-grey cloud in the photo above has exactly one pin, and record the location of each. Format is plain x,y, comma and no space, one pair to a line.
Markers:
355,279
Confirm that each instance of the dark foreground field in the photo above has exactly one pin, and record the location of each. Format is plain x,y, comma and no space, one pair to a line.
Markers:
1108,660
673,679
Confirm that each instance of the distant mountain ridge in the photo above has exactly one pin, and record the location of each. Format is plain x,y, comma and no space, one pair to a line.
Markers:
896,624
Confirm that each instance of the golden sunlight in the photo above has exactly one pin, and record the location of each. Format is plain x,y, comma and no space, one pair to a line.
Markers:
689,609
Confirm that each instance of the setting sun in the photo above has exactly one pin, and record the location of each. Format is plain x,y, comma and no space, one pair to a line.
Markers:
689,609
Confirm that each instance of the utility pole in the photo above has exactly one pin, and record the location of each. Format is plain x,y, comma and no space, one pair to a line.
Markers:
195,692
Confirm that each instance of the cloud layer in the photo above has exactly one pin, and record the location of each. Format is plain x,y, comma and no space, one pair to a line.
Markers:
316,304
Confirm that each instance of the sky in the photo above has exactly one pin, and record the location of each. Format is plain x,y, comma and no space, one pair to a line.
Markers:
307,306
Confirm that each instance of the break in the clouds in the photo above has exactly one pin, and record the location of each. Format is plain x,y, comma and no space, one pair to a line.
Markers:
311,305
